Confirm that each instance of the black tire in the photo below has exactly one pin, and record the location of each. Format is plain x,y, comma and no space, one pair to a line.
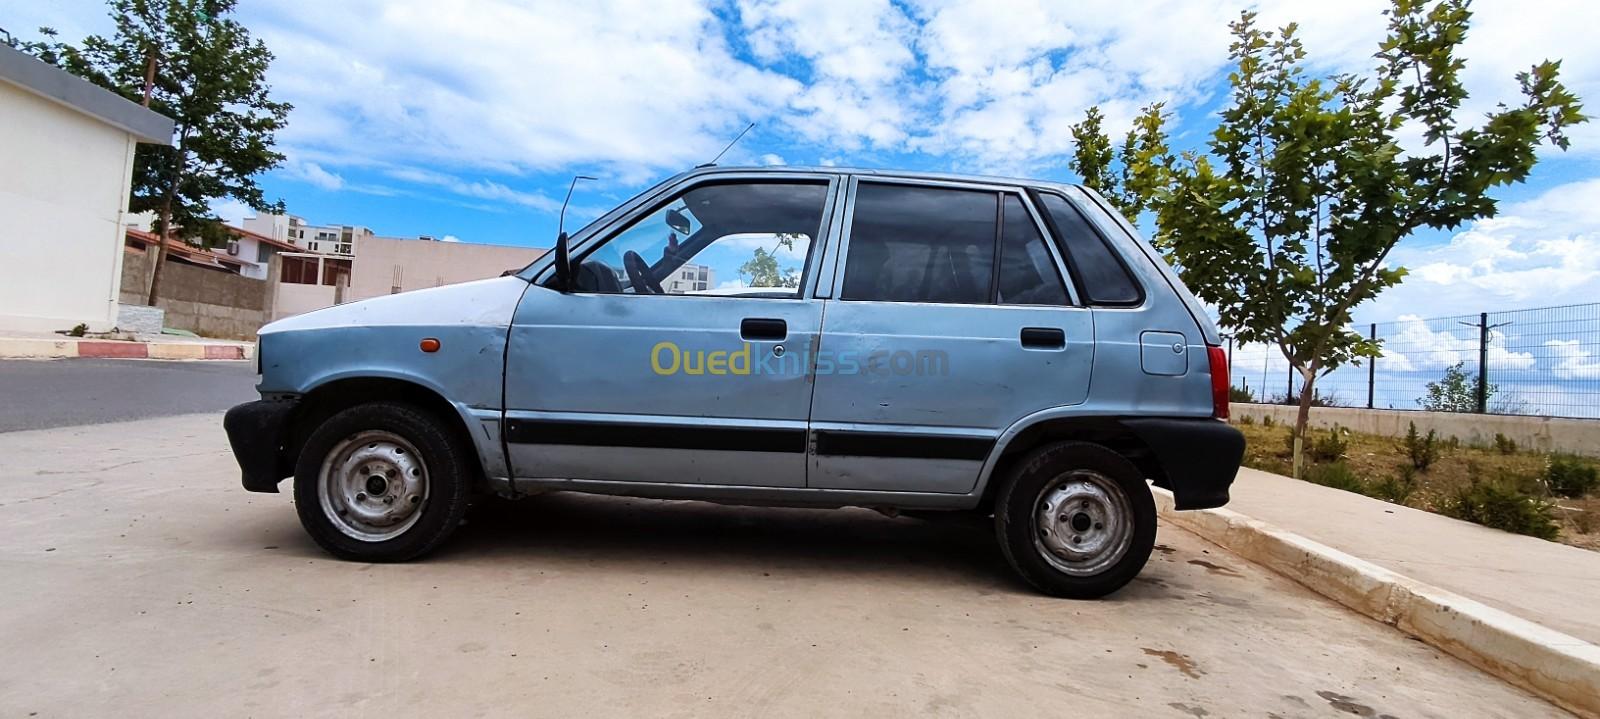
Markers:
447,469
1064,467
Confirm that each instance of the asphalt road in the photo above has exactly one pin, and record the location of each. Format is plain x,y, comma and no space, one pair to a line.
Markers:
139,577
37,394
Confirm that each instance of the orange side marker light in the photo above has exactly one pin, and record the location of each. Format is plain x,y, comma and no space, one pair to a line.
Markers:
429,344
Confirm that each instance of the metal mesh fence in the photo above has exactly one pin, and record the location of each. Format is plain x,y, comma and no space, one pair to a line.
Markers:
1543,361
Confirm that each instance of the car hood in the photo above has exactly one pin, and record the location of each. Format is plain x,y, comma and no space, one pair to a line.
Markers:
483,302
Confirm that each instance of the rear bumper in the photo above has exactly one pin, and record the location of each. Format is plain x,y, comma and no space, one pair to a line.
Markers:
1200,457
258,432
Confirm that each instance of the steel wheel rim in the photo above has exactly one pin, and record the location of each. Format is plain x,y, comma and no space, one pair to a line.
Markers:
373,485
1082,523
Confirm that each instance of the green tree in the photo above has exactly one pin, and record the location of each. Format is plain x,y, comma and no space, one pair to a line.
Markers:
1286,222
1456,391
1128,178
764,270
187,60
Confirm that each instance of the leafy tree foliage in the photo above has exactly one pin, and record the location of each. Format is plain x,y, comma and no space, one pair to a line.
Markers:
1456,391
1285,223
1131,179
187,60
763,267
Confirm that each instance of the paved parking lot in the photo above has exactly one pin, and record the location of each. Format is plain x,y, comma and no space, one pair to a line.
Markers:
139,579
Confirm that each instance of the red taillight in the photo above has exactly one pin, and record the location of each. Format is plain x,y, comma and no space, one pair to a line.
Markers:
1219,381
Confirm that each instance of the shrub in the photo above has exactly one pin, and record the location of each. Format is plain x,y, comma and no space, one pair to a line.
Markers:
1504,444
1570,476
1331,447
1422,450
78,330
1338,476
1396,488
1241,394
1501,505
1247,420
1266,421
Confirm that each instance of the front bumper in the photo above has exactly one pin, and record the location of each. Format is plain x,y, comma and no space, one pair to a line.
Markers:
259,432
1200,457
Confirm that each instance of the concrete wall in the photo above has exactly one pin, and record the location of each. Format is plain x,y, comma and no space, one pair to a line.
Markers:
1544,434
63,190
422,263
206,302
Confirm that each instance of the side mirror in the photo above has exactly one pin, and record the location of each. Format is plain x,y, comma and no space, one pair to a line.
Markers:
563,279
678,222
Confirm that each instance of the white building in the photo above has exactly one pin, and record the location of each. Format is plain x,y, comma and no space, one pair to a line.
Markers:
326,239
66,163
690,278
385,266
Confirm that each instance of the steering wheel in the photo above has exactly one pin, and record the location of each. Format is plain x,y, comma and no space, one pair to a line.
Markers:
639,274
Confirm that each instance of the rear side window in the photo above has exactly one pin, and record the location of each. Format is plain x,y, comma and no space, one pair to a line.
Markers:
1099,274
921,244
1028,273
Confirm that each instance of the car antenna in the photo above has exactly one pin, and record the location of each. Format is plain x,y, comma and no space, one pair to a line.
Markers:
736,139
561,222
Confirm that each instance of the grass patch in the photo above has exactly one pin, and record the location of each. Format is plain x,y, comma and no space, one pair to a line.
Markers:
1491,484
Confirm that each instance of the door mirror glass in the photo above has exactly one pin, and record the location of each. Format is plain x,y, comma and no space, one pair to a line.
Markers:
678,222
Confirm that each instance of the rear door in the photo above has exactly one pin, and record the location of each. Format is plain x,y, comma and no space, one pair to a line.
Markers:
950,321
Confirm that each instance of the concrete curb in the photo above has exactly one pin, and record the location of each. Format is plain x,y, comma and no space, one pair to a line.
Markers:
1556,666
30,348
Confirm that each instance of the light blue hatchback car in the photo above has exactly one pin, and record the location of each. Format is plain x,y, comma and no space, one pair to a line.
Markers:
776,336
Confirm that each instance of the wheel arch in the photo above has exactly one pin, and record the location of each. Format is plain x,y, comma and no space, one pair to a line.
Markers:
337,393
1032,432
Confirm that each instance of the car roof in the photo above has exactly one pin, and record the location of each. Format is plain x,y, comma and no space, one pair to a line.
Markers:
880,172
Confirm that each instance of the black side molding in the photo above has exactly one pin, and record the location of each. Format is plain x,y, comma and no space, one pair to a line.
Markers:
1200,457
888,444
258,431
620,434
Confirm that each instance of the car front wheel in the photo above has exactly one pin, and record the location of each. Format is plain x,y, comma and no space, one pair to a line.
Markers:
1076,520
381,482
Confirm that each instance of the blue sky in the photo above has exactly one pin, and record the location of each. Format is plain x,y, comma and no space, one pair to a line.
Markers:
467,118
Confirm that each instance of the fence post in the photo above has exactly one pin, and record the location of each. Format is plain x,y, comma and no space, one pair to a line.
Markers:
1372,365
1483,362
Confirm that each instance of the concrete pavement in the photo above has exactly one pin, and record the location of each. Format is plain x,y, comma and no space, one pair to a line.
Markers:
36,394
139,575
1551,584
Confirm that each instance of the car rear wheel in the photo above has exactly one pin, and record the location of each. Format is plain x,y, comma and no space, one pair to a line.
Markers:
1076,520
382,482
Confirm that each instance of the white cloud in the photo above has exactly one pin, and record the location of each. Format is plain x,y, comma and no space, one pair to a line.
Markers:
231,211
449,238
313,174
1415,345
479,189
772,159
625,85
1573,361
1540,252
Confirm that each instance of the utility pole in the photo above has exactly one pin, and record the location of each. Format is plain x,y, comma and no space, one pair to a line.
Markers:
1483,359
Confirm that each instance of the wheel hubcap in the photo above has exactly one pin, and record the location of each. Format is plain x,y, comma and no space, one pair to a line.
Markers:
373,485
1083,523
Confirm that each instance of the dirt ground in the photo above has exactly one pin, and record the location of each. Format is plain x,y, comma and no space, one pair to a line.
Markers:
139,579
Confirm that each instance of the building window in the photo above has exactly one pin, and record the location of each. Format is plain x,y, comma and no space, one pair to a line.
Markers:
298,271
336,272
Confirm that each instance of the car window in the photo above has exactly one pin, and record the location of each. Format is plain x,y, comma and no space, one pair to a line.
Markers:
1028,273
744,239
1101,277
921,244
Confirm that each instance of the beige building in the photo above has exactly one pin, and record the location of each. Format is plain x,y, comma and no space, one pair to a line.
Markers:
66,162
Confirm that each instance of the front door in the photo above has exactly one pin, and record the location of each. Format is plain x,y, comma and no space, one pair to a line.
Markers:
952,323
683,355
